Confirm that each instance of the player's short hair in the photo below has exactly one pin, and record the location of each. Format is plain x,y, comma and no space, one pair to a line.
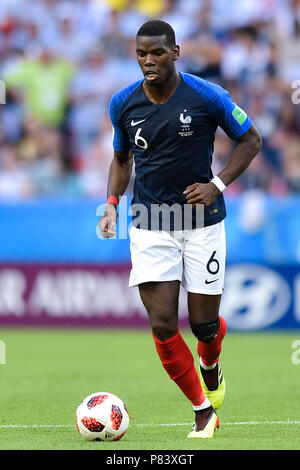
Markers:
158,28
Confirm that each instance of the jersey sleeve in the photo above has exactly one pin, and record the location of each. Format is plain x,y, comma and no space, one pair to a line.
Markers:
121,142
227,114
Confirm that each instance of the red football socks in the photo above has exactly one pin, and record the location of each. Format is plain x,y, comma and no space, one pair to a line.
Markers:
210,352
178,361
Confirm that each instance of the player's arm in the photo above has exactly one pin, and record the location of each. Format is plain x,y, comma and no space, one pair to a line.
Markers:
120,168
239,127
248,147
119,174
118,179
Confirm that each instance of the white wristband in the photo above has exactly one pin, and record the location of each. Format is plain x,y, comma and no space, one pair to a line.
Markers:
219,183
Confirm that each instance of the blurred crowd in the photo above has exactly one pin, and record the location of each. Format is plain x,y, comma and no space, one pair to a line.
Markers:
61,60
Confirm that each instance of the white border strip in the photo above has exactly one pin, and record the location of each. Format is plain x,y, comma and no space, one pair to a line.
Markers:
238,423
241,423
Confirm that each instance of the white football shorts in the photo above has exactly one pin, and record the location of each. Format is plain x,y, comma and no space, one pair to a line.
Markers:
196,257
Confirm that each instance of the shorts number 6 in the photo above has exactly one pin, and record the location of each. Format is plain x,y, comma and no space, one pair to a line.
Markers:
213,264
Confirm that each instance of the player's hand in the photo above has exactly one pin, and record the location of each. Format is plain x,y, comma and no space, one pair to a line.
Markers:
201,193
108,221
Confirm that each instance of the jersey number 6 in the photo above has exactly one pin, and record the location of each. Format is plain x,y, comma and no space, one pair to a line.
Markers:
139,140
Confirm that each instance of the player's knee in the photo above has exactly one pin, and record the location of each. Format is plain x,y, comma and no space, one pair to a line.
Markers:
163,332
163,321
164,328
205,332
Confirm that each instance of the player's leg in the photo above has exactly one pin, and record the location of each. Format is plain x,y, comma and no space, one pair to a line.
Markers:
203,278
160,299
161,302
206,324
209,329
157,269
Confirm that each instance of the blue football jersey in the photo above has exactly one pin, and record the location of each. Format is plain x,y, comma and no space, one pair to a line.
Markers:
173,143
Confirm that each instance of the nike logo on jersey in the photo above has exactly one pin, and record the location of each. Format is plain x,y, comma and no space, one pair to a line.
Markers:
209,282
135,123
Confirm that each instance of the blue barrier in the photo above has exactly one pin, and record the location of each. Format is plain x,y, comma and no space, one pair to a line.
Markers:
260,229
56,231
263,229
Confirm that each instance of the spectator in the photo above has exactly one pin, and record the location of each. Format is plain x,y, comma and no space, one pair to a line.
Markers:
246,58
63,59
291,164
44,85
14,179
66,41
88,94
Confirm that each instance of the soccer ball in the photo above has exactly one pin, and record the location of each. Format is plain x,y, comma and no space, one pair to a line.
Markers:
102,416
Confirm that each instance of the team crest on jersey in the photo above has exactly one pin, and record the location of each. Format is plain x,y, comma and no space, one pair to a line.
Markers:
186,120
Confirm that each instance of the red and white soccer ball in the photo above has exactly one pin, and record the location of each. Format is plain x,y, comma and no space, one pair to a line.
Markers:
102,416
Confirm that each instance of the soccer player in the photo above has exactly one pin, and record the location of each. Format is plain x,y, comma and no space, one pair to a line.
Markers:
167,123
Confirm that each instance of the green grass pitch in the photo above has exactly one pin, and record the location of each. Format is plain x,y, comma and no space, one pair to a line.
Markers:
48,372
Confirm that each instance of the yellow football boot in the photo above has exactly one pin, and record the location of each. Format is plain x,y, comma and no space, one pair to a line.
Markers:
205,424
215,395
